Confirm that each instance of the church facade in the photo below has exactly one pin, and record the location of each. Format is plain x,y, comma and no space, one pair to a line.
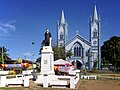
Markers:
85,53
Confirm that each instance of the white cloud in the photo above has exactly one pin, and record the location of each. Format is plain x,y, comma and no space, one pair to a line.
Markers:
2,29
7,27
27,54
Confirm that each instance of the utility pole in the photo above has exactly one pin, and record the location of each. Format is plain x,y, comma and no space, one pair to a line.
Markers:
2,56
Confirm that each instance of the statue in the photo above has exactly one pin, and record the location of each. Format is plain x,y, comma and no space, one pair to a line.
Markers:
47,41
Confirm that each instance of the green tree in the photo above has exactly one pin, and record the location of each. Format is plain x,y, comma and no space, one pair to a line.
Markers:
110,51
69,54
59,52
5,55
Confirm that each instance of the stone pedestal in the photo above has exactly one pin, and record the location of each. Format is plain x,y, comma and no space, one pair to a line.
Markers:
47,61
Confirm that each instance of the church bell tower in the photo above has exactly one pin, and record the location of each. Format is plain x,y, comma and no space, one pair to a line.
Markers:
62,31
95,38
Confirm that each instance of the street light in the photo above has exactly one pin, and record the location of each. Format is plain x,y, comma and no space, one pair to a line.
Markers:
34,73
32,56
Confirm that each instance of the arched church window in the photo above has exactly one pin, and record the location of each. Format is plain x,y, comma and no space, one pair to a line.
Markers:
75,51
61,36
79,53
95,33
61,44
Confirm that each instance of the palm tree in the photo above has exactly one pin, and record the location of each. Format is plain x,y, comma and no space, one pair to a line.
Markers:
5,56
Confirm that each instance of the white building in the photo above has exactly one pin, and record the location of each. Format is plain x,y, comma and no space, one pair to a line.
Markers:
85,52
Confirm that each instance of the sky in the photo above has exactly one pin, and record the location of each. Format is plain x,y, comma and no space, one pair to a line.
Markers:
24,21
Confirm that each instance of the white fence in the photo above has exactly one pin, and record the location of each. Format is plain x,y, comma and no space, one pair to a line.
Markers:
20,79
14,81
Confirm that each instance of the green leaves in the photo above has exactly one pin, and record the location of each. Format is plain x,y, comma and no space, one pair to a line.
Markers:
5,55
60,53
110,51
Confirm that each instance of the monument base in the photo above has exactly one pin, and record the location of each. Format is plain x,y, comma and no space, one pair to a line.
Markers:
47,61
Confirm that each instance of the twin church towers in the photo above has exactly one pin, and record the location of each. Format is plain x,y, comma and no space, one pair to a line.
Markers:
85,52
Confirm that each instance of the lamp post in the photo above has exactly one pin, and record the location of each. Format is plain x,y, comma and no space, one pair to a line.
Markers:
32,53
32,57
34,73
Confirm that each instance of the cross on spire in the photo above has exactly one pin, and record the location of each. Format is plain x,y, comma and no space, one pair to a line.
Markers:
76,32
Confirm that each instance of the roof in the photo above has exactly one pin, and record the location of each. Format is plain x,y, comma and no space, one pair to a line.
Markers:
79,37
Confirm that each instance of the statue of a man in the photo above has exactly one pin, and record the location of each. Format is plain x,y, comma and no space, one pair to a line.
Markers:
47,37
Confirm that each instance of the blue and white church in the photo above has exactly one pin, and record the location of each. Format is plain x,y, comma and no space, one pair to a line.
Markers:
85,53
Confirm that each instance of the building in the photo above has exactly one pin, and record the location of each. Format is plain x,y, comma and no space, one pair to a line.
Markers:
85,52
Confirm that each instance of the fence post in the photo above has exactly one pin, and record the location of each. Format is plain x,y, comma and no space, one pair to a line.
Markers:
72,85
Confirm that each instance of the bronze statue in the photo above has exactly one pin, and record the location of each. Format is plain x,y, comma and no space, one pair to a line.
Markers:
47,38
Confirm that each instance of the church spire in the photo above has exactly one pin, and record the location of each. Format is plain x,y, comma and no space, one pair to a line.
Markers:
62,31
95,38
62,18
95,17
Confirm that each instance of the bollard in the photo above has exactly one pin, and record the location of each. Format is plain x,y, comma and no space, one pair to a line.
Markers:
2,81
26,81
45,81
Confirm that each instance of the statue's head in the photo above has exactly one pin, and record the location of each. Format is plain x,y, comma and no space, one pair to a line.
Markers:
47,30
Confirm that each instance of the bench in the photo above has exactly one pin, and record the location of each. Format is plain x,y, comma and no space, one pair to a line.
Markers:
92,77
72,79
14,81
88,77
18,81
59,83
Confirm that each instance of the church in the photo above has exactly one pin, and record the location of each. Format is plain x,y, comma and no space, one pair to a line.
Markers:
86,54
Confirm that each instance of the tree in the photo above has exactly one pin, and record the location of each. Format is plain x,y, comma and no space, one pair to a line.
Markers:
5,55
69,54
110,51
59,52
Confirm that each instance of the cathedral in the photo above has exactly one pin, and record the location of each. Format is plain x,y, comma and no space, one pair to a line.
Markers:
86,54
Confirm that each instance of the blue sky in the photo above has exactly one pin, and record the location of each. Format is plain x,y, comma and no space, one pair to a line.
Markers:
24,21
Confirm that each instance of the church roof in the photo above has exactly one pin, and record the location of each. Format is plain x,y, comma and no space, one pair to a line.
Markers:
79,37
